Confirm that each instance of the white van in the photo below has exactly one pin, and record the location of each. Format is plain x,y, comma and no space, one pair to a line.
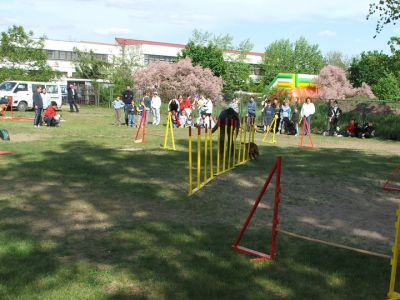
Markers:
20,92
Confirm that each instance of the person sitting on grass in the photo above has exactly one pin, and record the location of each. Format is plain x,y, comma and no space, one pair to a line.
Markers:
367,131
183,118
351,129
50,117
189,121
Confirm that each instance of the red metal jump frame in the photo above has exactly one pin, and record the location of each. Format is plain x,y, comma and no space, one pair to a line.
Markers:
394,173
142,125
305,124
277,167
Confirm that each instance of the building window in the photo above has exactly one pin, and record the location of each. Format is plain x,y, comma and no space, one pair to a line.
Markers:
149,58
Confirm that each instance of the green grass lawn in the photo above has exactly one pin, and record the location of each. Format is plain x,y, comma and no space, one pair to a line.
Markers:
86,213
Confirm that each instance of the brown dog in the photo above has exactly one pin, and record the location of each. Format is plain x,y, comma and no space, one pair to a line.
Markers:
253,151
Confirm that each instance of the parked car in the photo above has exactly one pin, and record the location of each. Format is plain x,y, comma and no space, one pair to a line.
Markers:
19,93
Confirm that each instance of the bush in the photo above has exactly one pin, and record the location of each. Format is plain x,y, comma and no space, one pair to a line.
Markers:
387,88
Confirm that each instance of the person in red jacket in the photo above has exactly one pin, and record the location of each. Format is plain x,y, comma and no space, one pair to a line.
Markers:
50,117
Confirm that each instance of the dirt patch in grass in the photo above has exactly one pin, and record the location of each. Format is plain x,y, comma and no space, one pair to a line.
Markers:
26,137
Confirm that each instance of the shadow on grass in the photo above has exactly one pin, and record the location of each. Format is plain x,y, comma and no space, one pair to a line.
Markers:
92,222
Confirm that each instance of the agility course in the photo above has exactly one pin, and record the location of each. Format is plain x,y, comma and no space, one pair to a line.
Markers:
229,152
122,222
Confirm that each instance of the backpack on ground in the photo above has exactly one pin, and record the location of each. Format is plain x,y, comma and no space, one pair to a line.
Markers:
4,135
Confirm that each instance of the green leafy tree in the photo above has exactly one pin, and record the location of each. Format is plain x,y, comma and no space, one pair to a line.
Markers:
388,11
387,88
22,57
278,58
307,58
209,56
207,50
88,66
369,68
121,70
338,59
282,56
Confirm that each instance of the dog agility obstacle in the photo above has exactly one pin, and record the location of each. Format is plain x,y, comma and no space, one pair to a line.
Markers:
276,169
229,152
392,294
142,128
307,127
392,176
270,127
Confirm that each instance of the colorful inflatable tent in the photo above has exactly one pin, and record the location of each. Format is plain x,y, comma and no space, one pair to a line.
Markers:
299,85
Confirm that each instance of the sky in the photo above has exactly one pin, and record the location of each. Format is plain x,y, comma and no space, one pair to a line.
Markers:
334,25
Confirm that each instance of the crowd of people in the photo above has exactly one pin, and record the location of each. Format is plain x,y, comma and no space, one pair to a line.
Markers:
148,108
282,117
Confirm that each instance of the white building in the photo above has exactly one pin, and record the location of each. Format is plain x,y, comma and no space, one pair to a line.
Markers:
60,53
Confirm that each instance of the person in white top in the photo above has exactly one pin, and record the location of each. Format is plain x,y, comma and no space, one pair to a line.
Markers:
155,107
208,107
46,98
307,111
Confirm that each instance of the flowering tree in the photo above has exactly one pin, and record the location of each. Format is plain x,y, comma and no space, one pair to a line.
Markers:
333,84
173,79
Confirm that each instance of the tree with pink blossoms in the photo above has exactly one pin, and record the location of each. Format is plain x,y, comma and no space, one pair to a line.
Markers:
333,84
180,78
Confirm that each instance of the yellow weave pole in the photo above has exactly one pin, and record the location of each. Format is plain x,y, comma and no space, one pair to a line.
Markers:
190,162
248,143
172,132
244,142
198,156
272,141
253,130
205,153
167,129
394,260
230,145
211,152
234,143
218,145
272,127
240,141
225,141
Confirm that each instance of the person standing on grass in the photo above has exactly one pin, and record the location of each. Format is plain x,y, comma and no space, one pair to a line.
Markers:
251,110
286,112
268,113
147,106
131,114
127,97
72,96
118,105
155,108
296,115
333,116
38,106
307,111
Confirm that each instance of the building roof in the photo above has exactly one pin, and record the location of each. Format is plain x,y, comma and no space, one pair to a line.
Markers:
97,43
123,41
